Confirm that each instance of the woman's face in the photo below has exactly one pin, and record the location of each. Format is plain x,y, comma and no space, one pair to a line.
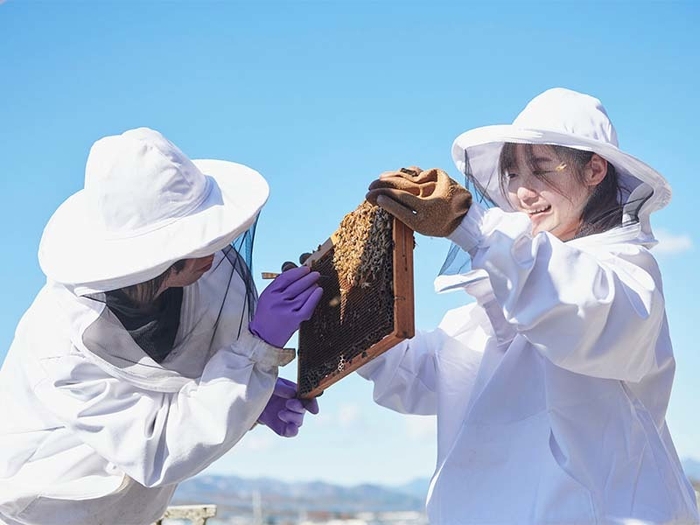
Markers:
554,205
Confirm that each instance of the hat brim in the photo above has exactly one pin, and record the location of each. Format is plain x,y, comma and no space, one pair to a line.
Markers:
483,148
77,252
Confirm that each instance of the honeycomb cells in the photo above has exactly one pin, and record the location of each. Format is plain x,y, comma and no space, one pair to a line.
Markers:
357,307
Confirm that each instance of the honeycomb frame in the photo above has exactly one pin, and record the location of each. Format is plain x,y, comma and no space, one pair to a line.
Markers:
346,360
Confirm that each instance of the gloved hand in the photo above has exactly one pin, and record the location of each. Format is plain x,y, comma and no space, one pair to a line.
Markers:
284,413
287,301
426,201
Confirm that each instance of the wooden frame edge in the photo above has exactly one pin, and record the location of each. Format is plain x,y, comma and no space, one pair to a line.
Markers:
404,318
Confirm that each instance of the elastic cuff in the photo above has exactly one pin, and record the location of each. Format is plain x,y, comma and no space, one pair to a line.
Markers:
468,234
259,351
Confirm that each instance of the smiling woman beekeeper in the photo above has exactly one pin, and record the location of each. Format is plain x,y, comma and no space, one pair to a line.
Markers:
136,366
551,388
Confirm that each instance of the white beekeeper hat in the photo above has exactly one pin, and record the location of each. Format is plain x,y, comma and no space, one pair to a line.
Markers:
560,117
145,205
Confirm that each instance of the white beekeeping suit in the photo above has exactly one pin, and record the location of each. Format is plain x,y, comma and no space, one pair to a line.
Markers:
551,388
95,428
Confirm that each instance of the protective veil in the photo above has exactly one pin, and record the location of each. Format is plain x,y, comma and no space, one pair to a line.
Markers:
159,423
551,388
94,429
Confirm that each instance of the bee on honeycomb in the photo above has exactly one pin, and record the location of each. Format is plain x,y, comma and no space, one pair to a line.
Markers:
357,309
361,245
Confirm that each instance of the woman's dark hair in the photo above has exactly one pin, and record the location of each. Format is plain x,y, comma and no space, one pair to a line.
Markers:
143,294
603,210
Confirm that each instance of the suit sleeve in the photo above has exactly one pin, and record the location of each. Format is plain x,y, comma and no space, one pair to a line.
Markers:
404,376
595,313
160,438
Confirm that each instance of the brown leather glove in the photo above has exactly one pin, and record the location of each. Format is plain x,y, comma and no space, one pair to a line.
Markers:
427,201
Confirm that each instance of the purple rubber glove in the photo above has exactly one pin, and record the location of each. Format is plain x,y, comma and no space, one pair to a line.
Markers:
287,301
284,413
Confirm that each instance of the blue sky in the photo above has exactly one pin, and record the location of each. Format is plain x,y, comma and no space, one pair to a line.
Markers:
320,97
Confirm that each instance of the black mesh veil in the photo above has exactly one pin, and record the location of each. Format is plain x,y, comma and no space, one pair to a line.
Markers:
239,254
210,313
615,205
457,261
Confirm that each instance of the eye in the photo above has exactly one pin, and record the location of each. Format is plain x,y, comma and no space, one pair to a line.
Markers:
511,176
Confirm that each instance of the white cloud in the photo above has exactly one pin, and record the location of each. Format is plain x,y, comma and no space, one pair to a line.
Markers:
672,244
421,428
348,415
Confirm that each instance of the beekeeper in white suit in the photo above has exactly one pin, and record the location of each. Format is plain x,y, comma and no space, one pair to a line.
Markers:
551,388
144,358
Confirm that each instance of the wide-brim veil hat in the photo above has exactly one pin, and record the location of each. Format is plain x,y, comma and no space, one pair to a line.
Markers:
560,117
145,205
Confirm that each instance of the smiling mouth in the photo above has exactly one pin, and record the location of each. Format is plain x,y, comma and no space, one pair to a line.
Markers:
538,211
